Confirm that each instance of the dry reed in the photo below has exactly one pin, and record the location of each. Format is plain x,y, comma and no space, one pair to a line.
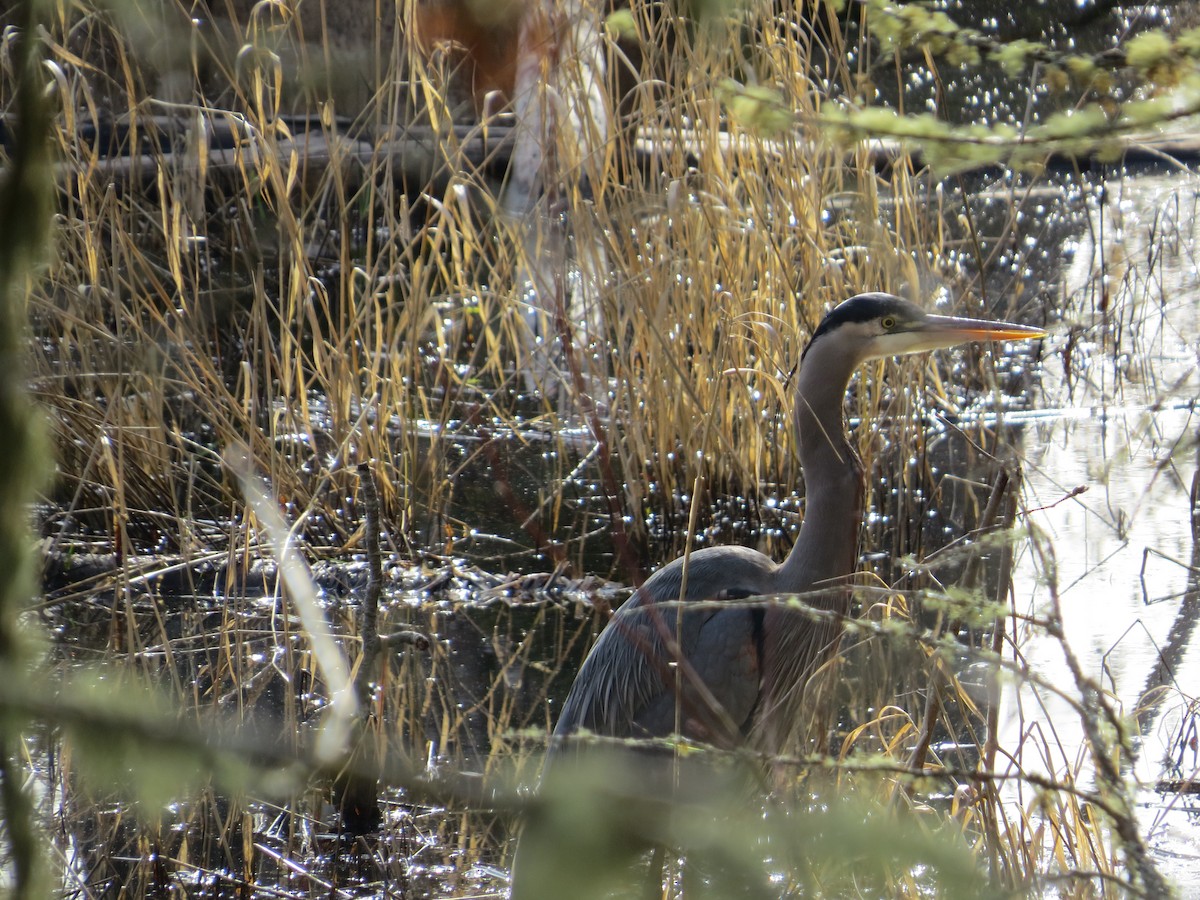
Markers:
324,316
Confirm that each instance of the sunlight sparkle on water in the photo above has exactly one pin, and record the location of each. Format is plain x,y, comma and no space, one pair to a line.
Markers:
1126,431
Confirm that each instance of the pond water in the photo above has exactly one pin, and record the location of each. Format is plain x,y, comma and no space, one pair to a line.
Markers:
1108,449
1118,395
1113,411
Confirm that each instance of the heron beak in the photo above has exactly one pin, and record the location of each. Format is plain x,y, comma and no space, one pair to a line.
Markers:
937,332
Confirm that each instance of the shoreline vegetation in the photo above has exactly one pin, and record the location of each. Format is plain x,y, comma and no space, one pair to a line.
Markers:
549,303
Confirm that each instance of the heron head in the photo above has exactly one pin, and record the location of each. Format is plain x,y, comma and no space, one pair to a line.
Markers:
873,326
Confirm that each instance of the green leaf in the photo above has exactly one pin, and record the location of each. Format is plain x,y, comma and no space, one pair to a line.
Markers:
1148,49
1014,56
621,25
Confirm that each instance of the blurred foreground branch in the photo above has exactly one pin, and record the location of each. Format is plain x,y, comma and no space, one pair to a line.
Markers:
24,212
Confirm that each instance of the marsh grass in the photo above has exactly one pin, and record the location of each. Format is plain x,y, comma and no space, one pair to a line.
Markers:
324,316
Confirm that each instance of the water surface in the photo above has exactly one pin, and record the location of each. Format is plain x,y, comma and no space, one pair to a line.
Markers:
1119,392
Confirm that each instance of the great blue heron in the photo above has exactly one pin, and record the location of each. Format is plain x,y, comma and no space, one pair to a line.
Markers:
737,674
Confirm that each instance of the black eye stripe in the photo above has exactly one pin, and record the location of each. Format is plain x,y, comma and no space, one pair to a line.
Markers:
868,308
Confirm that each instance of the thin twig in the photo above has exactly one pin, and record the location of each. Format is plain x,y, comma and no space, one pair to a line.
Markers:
368,629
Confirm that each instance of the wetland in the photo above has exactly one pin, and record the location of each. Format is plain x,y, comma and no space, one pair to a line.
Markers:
230,339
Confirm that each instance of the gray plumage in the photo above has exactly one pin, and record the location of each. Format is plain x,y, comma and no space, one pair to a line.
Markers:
737,672
756,662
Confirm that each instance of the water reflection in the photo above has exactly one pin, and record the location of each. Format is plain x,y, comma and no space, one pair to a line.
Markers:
1125,375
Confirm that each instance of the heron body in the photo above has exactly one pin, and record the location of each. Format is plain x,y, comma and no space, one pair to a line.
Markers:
684,656
726,672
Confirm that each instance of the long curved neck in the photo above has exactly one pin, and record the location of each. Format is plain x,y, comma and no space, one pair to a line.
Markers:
826,548
827,545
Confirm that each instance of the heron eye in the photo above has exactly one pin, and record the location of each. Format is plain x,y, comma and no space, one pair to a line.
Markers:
888,323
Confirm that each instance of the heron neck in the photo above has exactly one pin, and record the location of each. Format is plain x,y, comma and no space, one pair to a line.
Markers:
827,545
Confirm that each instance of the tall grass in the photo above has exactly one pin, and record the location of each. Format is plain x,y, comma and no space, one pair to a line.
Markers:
323,316
368,307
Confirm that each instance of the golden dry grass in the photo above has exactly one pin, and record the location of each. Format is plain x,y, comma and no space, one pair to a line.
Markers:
325,315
